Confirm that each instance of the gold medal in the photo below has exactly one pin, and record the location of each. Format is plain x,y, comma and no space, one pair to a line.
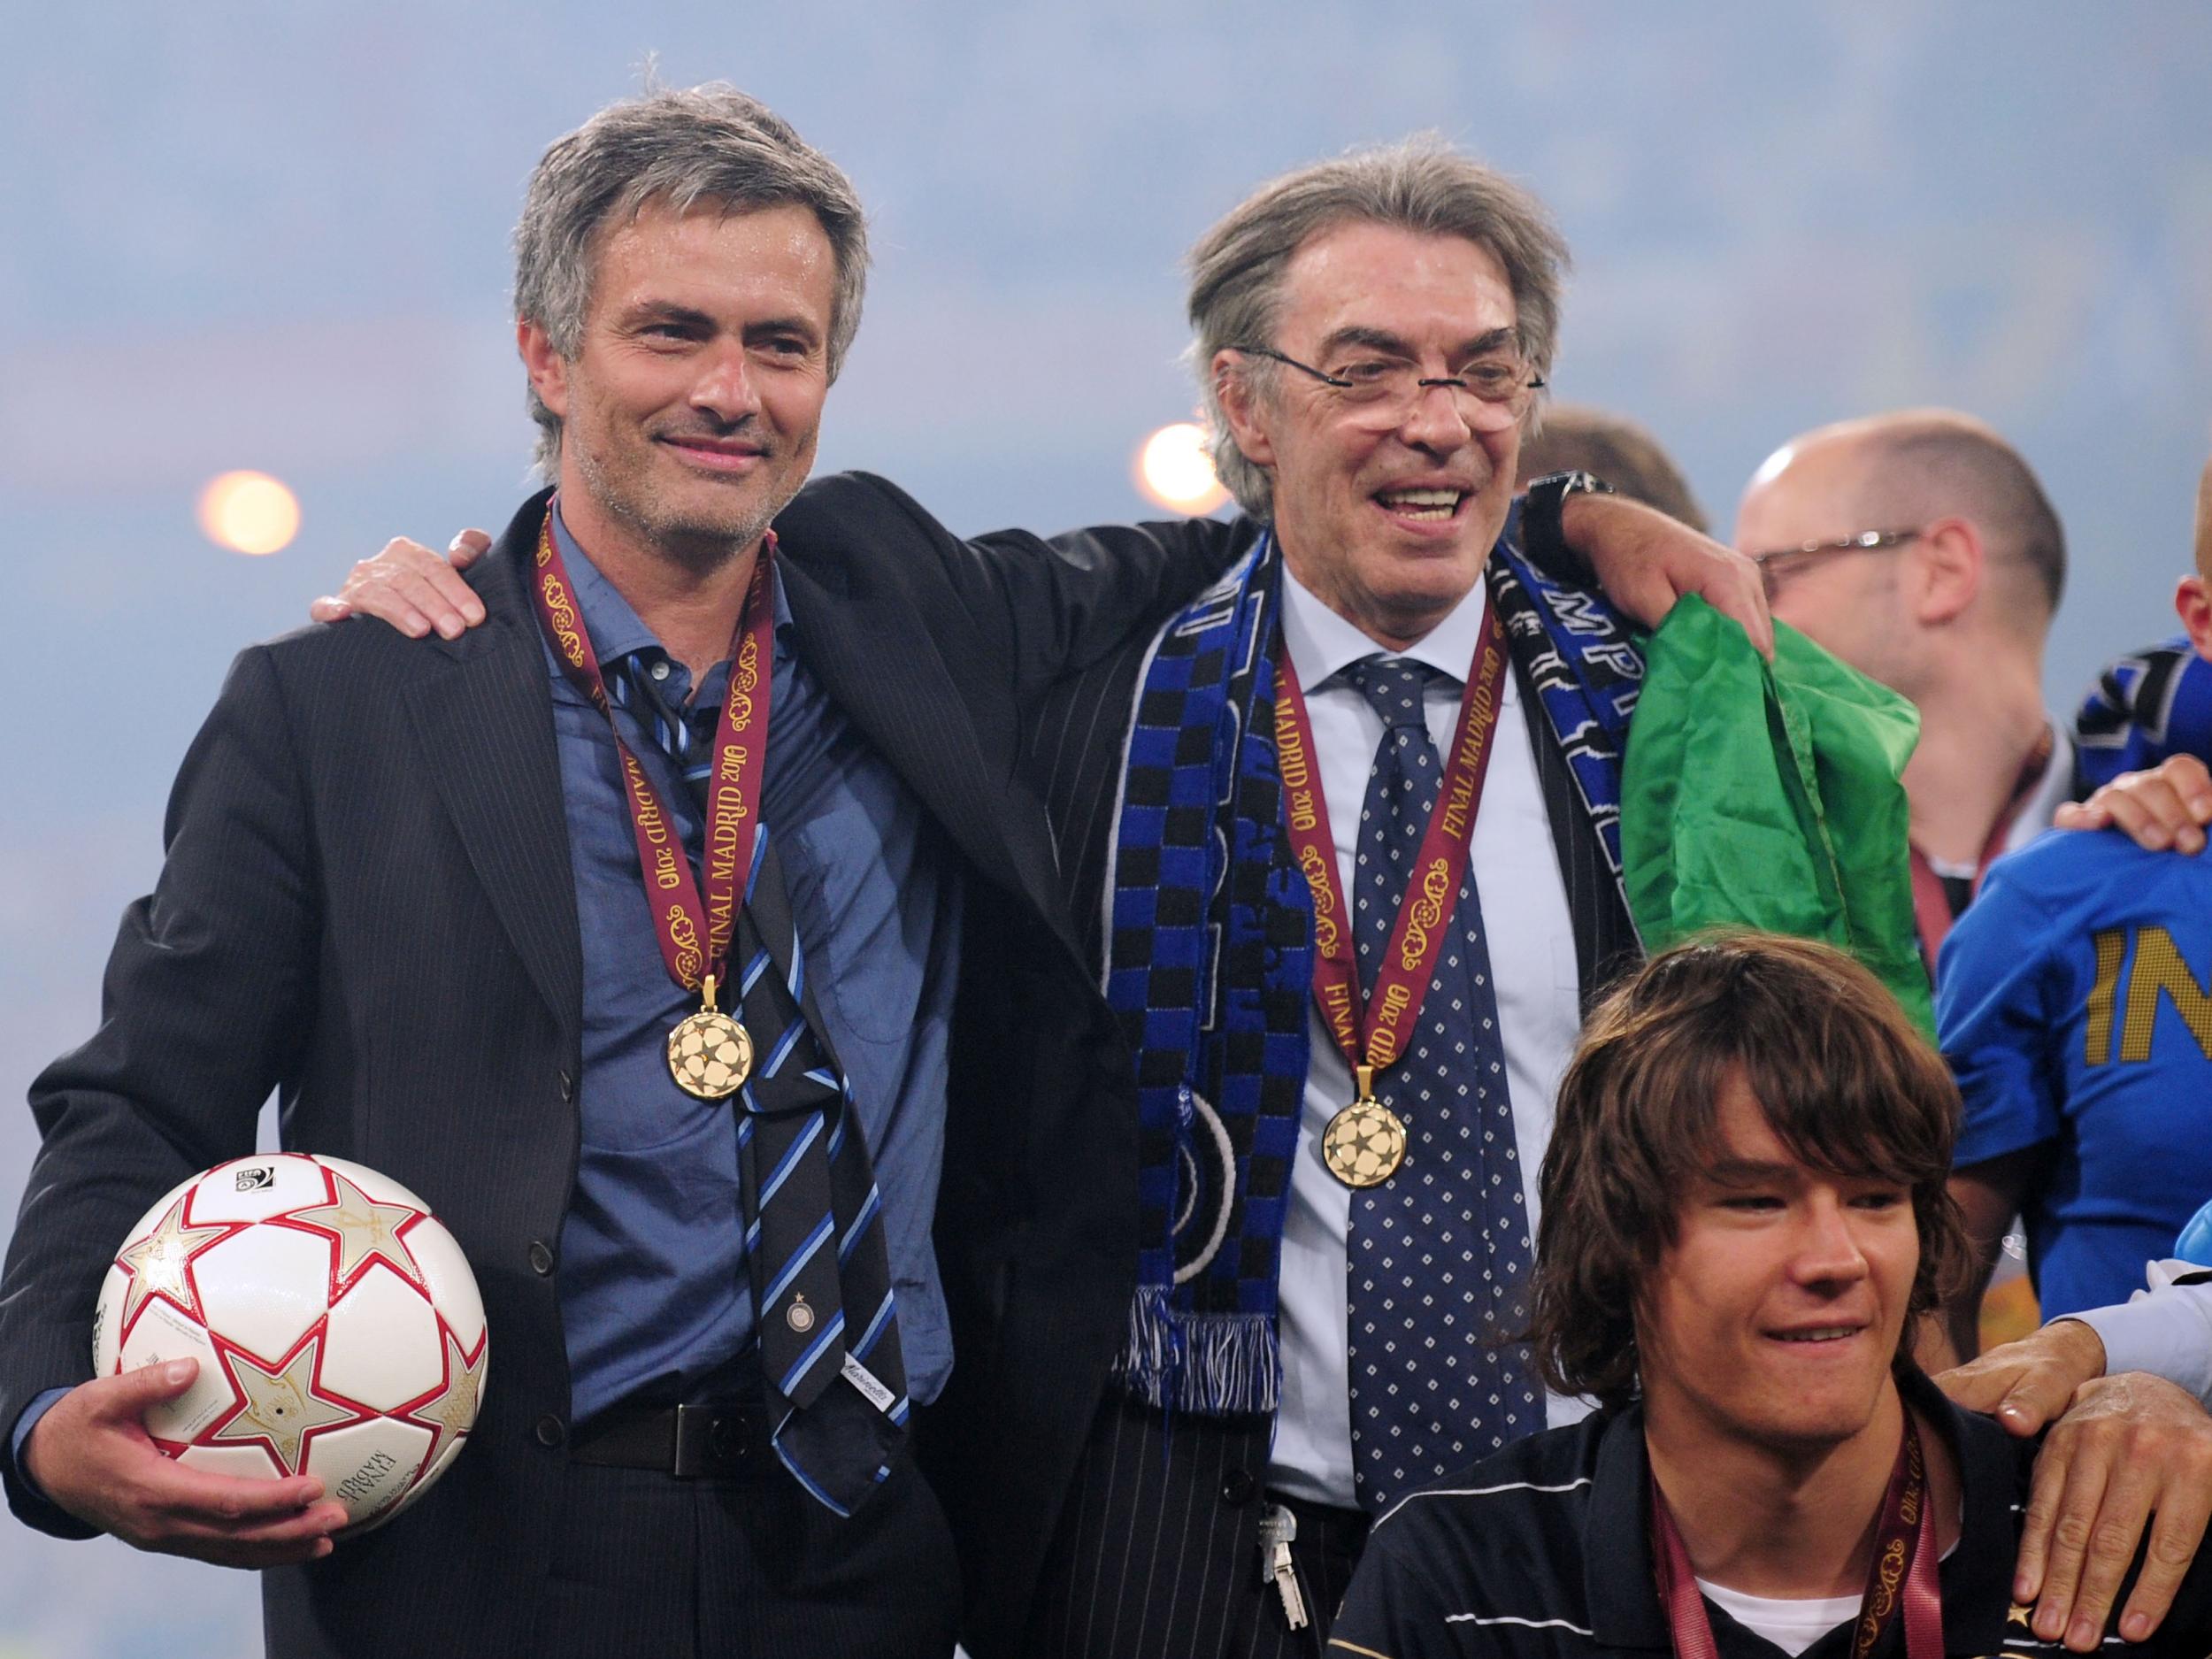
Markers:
1365,1143
710,1055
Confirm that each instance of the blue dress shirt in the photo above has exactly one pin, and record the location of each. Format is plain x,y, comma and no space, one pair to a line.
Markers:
656,1295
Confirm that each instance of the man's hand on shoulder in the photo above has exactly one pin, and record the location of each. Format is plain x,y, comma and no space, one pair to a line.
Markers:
90,1455
412,589
2167,806
2122,1451
2027,1384
1645,561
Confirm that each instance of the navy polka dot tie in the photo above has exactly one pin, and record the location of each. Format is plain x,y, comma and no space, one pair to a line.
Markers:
1439,1260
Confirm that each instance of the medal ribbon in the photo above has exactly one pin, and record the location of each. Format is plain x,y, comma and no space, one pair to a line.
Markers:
1930,905
1902,1575
695,936
1372,1034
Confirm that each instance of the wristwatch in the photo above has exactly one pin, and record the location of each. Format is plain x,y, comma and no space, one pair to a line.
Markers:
1541,537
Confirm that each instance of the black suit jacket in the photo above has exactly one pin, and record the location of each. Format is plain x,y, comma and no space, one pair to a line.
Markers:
367,906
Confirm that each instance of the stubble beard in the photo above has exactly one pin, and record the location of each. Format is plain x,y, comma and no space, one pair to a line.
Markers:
697,542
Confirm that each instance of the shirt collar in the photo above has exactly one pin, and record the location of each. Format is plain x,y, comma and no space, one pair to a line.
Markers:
1322,644
1620,1581
615,628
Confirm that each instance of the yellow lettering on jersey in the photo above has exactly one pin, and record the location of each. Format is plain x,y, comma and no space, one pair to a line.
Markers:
2112,948
2159,967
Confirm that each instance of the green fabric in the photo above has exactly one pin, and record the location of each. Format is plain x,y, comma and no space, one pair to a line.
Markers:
1769,796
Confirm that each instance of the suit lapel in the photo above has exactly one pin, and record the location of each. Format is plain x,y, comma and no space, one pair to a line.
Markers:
485,718
878,661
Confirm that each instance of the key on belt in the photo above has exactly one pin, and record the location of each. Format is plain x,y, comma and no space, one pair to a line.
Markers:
1277,1527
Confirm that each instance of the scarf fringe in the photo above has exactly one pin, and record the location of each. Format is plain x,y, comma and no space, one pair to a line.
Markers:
1214,1364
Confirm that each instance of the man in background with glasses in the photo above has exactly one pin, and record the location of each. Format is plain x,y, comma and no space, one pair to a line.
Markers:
1919,548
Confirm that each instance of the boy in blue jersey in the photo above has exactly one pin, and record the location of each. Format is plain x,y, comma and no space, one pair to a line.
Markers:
2074,1005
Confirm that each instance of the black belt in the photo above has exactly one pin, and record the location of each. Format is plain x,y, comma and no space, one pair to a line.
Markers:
691,1443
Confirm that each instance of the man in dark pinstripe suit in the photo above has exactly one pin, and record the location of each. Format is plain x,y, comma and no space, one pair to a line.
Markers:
1410,265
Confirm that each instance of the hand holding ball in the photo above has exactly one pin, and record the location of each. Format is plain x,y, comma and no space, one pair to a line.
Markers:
338,1329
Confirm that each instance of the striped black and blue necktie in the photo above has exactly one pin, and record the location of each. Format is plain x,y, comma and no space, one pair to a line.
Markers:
824,1307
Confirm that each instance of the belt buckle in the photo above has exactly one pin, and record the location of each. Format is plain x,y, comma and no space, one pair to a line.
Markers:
709,1441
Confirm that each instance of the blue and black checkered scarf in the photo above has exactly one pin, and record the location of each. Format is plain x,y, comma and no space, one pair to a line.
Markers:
1209,953
2145,707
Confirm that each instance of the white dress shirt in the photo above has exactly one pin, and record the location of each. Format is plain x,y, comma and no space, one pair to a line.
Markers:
1532,966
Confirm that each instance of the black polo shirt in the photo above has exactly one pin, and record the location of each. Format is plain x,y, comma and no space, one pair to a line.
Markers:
1543,1552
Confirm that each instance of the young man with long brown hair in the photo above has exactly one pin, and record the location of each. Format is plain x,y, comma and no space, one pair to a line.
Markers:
1744,1211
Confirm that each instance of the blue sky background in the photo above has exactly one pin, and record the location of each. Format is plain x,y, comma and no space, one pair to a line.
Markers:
274,236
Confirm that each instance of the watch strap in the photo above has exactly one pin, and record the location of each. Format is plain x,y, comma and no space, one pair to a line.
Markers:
1542,537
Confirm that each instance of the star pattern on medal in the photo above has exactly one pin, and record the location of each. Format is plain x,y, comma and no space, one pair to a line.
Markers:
450,1412
160,1263
279,1408
1441,1257
362,1230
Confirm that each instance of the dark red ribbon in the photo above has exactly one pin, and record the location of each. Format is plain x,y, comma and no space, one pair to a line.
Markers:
1374,1033
695,936
1902,1577
1931,904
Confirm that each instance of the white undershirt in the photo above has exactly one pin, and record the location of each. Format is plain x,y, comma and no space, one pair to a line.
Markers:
1530,939
1795,1623
1791,1625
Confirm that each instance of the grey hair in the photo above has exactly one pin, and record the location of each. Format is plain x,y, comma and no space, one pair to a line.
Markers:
1420,184
678,148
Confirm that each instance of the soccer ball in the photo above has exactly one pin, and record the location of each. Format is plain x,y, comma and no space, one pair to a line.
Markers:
337,1325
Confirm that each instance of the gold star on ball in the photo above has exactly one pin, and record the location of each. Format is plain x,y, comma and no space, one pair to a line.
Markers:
281,1407
157,1264
365,1230
452,1410
2018,1616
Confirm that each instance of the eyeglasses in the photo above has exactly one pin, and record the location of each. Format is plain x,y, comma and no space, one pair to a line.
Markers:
1865,541
1388,387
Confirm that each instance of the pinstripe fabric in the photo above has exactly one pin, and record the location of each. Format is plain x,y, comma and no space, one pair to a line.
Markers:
743,1568
389,939
1161,1554
1149,1558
